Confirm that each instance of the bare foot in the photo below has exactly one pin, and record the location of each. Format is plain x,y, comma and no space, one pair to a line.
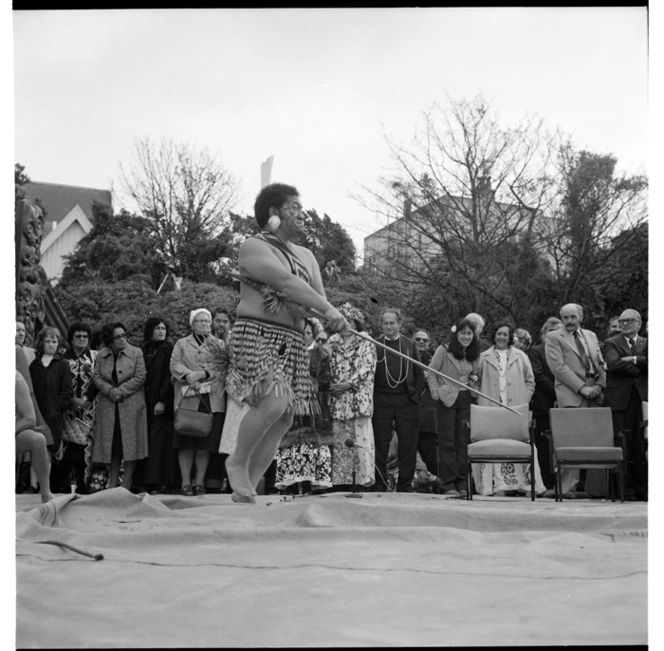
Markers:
46,496
238,478
243,499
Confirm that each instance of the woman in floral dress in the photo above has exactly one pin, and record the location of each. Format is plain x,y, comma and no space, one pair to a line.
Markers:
304,461
80,418
352,367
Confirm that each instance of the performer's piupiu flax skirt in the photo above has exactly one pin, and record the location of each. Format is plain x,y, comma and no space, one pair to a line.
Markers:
266,357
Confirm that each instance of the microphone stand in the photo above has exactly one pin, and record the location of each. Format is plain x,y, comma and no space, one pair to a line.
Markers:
354,446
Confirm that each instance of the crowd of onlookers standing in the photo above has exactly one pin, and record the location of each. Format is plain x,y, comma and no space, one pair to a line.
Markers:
104,415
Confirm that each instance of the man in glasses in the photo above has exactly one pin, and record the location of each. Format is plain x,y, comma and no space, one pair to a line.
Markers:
626,357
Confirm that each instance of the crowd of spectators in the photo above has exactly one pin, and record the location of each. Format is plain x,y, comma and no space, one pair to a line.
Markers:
90,419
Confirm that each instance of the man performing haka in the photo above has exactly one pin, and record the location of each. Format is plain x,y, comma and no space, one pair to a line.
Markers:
269,367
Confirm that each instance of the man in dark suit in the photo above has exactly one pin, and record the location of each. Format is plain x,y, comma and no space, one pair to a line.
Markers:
613,329
626,357
543,399
398,386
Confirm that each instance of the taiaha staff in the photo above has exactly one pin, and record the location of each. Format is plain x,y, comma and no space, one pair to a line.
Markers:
273,299
365,336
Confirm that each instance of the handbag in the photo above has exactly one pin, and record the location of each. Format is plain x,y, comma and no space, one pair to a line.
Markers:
100,475
191,422
75,430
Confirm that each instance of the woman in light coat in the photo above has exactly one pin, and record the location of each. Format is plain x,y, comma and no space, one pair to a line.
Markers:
459,361
192,367
505,374
120,431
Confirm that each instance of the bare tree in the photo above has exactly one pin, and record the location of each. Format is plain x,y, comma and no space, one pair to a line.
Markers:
185,192
464,192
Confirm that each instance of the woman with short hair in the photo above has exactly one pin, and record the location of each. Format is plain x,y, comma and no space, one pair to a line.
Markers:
505,374
192,367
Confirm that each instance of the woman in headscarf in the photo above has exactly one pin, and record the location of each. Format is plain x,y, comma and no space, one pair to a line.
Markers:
157,349
197,386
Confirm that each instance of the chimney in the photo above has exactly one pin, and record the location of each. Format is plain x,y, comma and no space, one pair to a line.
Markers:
484,185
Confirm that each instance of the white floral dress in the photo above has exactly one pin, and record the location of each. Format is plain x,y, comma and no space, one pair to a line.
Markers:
352,360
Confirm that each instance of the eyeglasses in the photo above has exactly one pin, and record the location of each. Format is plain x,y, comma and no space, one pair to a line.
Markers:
421,339
122,336
83,336
626,321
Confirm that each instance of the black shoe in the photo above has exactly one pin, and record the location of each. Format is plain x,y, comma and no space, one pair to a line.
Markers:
379,488
405,489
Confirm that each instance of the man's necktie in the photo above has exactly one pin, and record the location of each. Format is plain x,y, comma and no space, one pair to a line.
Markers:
632,345
582,352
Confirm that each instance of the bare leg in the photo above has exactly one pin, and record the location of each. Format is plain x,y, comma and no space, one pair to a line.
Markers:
254,428
202,460
128,478
35,443
263,456
114,473
186,461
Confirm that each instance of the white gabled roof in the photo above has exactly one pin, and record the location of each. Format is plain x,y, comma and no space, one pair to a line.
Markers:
76,214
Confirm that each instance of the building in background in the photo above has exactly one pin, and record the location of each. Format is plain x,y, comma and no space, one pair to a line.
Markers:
68,218
415,238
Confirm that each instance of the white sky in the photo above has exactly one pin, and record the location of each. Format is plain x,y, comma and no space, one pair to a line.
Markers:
313,87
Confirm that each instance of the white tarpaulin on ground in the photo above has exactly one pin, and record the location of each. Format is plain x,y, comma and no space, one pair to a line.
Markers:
387,569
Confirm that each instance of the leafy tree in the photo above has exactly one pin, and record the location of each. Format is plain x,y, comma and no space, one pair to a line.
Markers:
132,302
625,277
329,241
597,215
119,247
186,195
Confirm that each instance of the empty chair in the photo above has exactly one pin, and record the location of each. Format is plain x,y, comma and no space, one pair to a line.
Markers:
584,438
501,436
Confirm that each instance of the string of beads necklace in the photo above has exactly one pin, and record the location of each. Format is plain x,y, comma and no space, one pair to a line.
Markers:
392,382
